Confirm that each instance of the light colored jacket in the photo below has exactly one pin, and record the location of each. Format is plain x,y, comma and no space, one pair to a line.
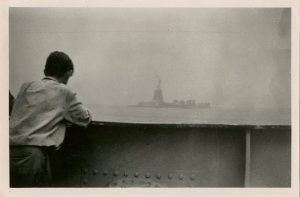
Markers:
41,111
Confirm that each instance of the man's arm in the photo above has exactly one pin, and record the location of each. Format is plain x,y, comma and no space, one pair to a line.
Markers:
76,112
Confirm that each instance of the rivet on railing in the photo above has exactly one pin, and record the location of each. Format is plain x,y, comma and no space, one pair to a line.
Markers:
85,181
181,177
116,173
136,174
193,177
105,172
170,176
85,171
158,176
95,172
147,175
125,174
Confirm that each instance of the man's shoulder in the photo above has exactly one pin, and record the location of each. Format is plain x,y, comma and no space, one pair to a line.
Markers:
41,84
64,88
26,84
68,90
48,85
53,84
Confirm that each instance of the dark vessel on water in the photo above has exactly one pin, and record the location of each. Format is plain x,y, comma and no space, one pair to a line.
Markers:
158,101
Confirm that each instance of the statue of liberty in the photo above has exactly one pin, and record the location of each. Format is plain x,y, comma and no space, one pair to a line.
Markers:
157,94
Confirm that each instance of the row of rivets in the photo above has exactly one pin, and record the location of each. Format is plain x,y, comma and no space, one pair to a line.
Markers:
136,175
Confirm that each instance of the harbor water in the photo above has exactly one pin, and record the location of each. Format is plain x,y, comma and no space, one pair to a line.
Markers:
190,116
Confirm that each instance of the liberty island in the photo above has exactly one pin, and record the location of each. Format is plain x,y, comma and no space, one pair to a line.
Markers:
158,101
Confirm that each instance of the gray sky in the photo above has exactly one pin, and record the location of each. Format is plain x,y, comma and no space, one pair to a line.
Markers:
229,57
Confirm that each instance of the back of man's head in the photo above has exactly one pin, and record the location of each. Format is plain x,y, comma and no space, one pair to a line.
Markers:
58,64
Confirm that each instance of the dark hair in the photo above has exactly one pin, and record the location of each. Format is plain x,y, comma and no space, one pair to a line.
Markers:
57,64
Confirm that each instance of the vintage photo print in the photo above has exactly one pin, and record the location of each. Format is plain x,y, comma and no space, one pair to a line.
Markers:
153,99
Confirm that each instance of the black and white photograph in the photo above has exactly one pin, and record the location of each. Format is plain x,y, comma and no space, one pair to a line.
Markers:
160,97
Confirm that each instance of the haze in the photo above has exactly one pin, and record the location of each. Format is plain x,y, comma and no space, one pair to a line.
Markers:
232,58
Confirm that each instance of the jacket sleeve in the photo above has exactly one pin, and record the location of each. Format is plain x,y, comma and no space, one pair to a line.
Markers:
76,112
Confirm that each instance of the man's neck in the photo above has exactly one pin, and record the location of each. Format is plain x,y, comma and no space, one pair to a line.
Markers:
51,78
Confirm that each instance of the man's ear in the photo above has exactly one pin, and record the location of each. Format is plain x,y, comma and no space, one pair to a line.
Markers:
69,73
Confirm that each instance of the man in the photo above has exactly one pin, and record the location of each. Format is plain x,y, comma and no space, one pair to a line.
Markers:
38,122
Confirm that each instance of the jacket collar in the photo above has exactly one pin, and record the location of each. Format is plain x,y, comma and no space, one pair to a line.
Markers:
50,78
